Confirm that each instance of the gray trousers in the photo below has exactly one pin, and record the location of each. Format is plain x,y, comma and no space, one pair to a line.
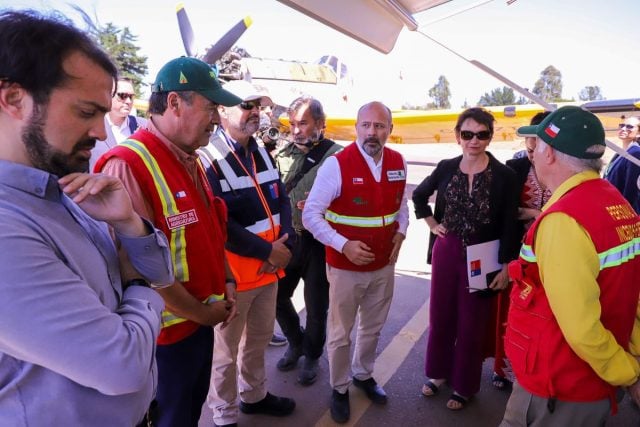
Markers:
526,409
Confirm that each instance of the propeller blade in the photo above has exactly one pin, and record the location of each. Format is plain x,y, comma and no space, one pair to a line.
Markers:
185,29
216,51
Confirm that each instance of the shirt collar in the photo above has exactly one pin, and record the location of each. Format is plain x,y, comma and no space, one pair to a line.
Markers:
235,145
29,180
569,184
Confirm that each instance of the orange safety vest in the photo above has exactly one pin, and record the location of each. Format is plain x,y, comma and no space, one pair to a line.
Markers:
253,201
196,231
366,210
543,362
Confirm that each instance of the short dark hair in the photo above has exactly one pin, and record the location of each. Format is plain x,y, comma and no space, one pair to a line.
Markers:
33,48
480,115
539,117
158,101
315,107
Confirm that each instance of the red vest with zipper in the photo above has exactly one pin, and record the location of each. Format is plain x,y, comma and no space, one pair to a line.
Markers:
543,362
375,205
196,232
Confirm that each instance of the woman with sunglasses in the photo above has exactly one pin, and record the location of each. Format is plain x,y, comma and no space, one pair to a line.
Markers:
476,202
623,174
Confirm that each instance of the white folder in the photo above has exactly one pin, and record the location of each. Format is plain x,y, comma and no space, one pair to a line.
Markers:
482,259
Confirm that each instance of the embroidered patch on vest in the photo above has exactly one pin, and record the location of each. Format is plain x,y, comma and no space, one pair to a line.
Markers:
358,180
181,219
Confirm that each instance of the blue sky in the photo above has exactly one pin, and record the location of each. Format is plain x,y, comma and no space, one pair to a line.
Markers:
592,42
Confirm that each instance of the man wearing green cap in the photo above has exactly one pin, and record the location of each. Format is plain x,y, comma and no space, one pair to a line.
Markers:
160,168
572,334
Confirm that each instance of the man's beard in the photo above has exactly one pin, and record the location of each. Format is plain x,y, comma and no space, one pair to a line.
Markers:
308,142
371,149
47,158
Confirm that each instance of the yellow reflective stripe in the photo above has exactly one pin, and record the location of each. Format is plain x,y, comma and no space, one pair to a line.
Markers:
620,254
170,319
361,221
178,240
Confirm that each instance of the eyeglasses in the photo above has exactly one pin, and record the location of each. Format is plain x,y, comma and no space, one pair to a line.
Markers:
627,126
123,96
467,135
250,105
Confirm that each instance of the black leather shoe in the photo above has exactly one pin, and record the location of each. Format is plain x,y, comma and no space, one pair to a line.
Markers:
270,405
374,392
309,371
340,411
290,359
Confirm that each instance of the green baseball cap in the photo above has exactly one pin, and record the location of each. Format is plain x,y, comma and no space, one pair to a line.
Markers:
190,74
570,130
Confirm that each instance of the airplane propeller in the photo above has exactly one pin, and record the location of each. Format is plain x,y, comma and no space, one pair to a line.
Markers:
218,49
185,30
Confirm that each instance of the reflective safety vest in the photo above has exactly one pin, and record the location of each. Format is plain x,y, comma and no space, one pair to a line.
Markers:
253,200
366,210
542,360
196,231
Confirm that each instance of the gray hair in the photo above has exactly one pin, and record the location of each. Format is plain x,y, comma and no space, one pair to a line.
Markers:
315,107
576,164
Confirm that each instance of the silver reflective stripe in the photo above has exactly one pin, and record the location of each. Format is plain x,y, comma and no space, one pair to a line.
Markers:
620,254
361,221
526,253
264,225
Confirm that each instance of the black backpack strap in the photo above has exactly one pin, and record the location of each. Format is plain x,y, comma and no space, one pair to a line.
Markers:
133,124
311,160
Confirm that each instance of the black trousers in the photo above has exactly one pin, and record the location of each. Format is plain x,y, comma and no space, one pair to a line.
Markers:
307,263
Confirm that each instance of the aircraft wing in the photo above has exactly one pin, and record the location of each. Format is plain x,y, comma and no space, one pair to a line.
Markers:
378,22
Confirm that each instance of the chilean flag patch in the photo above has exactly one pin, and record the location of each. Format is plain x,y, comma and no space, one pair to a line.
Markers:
552,130
358,180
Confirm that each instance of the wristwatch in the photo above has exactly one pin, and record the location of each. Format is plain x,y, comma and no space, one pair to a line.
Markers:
137,282
231,280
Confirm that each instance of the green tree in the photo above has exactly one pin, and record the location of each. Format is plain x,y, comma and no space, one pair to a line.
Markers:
121,47
500,96
591,93
440,94
549,85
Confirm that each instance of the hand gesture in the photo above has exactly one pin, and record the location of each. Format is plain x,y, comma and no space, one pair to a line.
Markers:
501,281
232,308
104,198
397,240
280,254
358,252
439,230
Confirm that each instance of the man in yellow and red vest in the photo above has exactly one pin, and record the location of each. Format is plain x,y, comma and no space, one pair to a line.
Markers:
358,209
161,170
257,249
572,333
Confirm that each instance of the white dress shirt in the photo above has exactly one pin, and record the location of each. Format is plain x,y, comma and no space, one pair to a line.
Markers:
327,188
115,135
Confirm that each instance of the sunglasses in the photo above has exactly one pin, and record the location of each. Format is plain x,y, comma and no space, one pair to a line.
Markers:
123,96
626,126
467,135
250,105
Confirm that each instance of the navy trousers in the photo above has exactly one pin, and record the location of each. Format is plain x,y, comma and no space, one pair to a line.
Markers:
184,371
